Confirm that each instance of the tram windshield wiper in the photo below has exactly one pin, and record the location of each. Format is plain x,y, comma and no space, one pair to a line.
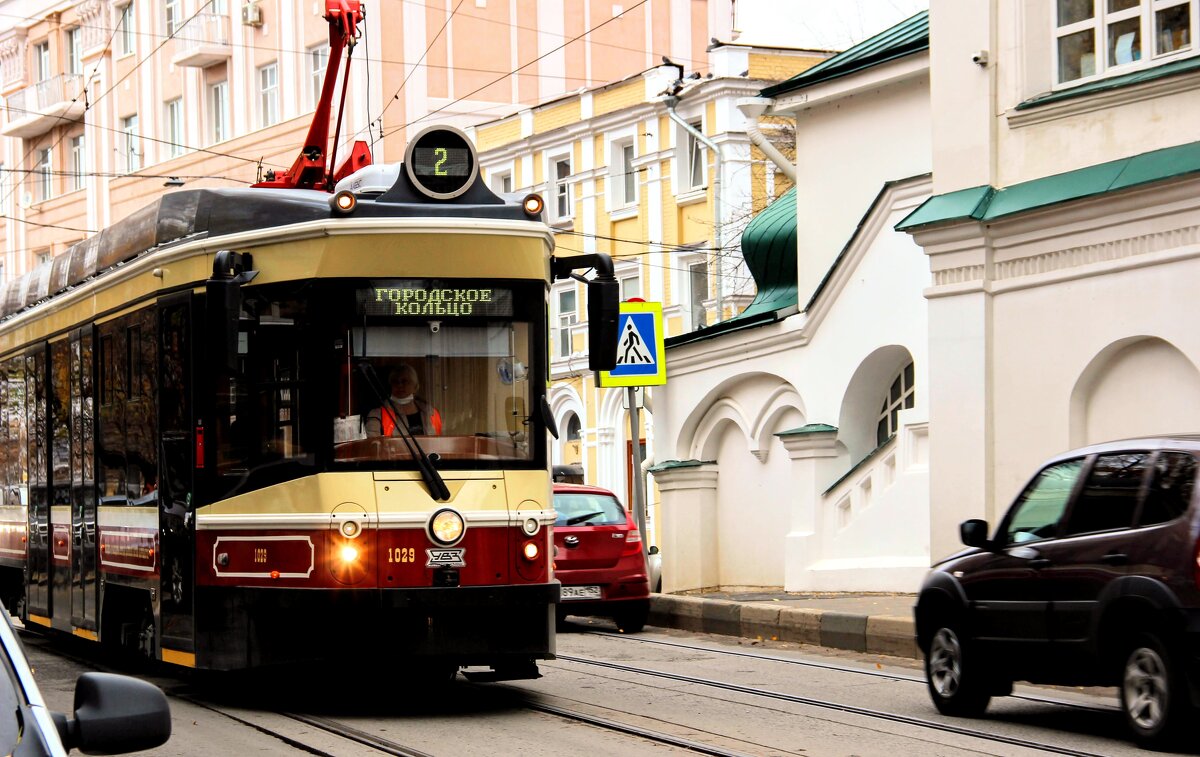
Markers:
429,474
575,521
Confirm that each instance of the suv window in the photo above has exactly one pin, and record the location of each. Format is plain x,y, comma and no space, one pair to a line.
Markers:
1110,494
1170,490
1035,515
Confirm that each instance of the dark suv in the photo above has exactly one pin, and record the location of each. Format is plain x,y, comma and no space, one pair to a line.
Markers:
1092,578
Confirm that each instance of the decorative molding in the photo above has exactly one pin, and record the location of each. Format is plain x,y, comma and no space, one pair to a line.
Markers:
1102,100
959,275
1101,252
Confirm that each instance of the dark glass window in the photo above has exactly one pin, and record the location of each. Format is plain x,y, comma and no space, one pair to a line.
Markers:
585,509
1110,495
60,416
110,426
1170,490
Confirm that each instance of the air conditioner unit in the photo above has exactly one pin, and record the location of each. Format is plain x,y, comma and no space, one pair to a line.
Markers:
252,15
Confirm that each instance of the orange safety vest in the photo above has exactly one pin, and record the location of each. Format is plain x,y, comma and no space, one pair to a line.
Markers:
388,420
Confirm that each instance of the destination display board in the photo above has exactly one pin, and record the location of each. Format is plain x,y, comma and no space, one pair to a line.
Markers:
425,298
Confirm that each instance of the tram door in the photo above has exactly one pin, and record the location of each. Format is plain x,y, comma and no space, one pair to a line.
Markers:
84,583
177,461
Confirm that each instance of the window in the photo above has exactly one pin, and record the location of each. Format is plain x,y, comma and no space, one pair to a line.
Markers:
125,28
1036,514
1098,37
562,189
1171,488
318,60
218,112
624,181
901,395
174,123
1110,495
568,316
43,257
172,16
631,285
696,172
268,94
132,145
44,175
75,51
78,164
580,508
698,280
502,183
41,61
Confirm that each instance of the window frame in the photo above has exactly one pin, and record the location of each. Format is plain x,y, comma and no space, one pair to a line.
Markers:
173,116
697,159
560,194
318,62
268,94
77,147
1003,537
74,47
126,25
132,137
691,264
1099,24
41,61
891,408
565,321
44,171
218,111
172,16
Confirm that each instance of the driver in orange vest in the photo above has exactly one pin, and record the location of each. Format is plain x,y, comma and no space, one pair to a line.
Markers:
405,406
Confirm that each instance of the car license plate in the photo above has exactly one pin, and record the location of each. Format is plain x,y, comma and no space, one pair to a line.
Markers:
445,558
580,592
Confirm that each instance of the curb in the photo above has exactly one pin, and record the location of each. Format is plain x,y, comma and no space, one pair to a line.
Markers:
874,634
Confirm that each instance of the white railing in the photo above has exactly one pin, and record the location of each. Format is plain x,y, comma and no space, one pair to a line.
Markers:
42,96
203,30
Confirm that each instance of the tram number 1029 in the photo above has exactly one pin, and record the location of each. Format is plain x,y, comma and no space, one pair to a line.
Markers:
402,554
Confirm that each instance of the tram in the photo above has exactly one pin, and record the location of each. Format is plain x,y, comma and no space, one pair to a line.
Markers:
203,455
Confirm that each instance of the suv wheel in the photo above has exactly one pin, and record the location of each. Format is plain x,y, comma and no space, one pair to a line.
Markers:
956,682
1153,693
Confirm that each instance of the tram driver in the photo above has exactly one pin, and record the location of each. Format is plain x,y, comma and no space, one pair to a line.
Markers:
404,406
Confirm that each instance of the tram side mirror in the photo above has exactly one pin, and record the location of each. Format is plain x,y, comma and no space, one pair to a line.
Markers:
548,417
604,305
224,306
514,414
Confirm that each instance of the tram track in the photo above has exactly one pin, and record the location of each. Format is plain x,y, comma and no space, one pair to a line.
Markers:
867,712
889,675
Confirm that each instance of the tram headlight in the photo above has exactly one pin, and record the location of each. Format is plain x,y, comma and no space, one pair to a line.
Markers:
531,551
351,529
349,554
530,526
343,202
446,527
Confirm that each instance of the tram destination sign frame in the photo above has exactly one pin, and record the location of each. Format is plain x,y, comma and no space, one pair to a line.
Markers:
431,299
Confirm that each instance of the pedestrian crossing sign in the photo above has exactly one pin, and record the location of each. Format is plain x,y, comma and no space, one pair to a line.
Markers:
641,359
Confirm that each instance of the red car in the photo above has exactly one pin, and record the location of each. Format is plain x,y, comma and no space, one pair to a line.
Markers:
599,558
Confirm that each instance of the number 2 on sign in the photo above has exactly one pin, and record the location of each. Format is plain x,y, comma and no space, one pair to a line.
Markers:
442,157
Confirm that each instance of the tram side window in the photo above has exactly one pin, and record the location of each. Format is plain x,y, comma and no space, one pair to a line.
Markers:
35,419
16,451
110,433
60,421
141,449
260,410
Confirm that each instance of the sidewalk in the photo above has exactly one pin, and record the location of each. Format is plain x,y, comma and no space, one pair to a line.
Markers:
863,622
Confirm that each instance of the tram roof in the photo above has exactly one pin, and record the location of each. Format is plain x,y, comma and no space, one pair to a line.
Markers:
193,214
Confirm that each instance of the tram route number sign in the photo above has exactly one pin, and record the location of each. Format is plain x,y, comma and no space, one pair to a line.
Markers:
446,558
422,298
641,357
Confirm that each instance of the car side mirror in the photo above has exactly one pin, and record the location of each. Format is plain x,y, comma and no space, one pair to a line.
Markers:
653,550
974,533
115,714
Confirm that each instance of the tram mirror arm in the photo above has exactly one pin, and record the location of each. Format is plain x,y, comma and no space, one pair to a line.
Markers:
224,296
429,474
604,304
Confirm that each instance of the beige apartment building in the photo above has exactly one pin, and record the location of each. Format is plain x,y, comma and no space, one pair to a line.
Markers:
109,103
665,184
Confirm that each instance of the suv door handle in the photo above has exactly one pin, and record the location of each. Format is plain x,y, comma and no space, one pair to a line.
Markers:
1115,558
1039,562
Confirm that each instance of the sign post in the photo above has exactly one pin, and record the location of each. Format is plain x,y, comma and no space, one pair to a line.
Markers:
641,361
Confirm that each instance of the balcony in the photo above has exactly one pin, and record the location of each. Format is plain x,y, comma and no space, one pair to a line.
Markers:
37,109
203,42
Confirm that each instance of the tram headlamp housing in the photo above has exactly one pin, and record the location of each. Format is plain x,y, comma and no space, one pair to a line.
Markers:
446,527
531,526
343,203
533,205
350,529
531,551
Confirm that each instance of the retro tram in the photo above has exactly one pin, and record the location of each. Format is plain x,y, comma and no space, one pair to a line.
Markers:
203,457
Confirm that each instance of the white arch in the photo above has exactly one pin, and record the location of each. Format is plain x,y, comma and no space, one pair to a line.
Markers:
684,445
724,410
860,404
565,401
783,400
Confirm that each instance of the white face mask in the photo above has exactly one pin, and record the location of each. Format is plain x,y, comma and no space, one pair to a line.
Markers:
403,400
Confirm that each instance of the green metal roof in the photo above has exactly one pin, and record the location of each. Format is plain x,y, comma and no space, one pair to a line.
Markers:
812,428
905,38
987,203
1137,77
769,249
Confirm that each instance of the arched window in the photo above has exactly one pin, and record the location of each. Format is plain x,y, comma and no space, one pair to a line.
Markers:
900,395
574,429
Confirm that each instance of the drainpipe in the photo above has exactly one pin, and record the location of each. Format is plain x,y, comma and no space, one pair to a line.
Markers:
752,108
671,101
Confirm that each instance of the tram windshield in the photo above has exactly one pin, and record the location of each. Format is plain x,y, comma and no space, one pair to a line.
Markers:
461,389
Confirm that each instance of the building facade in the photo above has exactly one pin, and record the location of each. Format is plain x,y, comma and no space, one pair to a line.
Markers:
108,100
1062,238
657,171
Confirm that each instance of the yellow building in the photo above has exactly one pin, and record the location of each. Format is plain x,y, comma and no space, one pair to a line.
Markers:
658,171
